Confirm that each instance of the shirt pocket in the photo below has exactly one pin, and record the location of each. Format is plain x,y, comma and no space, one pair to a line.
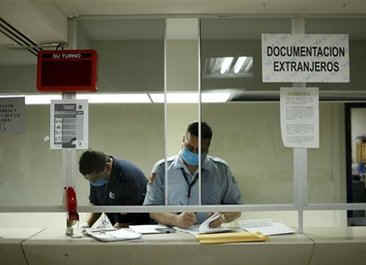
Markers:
211,193
177,193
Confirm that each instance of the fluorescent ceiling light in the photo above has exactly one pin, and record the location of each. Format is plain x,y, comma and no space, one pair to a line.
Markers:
11,96
239,64
229,67
35,99
41,99
226,64
114,98
92,98
108,98
249,65
215,97
190,97
175,97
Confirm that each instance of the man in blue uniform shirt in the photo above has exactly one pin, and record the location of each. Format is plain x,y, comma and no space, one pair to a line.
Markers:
218,184
114,182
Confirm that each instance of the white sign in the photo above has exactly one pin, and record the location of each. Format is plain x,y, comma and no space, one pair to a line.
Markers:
69,124
301,58
300,117
12,115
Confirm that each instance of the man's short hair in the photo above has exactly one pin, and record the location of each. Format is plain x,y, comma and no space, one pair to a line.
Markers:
206,131
92,161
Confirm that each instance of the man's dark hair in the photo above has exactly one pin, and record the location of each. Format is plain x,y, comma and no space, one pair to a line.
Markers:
206,131
92,161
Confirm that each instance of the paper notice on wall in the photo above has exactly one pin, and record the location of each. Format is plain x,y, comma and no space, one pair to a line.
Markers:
12,115
69,124
300,117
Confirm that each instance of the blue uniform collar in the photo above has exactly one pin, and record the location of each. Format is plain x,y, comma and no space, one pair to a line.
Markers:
178,163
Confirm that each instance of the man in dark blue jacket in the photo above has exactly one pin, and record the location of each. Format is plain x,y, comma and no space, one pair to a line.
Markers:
114,182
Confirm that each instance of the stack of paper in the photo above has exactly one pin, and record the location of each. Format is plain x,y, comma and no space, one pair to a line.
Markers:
151,229
266,227
231,238
205,228
102,224
103,230
117,235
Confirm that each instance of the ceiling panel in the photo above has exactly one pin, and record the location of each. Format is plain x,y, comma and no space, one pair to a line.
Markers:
117,7
355,27
123,29
243,28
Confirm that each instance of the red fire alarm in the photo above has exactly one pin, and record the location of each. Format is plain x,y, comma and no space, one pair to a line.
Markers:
67,71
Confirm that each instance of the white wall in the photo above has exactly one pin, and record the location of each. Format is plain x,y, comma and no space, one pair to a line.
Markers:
248,137
133,65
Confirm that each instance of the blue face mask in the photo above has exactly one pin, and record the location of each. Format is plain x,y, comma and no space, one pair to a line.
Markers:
192,158
98,183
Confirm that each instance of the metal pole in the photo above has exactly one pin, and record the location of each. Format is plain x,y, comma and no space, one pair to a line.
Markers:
300,161
69,155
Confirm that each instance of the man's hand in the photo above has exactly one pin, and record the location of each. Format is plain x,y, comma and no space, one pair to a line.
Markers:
226,217
151,178
121,225
186,220
218,222
93,218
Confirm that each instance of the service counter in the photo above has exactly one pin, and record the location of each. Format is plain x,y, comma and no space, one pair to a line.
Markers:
318,246
11,244
338,245
52,247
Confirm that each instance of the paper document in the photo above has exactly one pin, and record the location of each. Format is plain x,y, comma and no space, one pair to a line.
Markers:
102,224
205,228
69,124
266,227
300,117
103,230
12,115
116,235
151,229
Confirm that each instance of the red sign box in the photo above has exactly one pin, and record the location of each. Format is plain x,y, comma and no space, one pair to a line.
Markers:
67,71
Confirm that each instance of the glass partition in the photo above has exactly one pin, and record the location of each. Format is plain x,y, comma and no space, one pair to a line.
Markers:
131,69
246,162
182,109
355,159
354,27
247,137
30,171
231,53
326,165
130,52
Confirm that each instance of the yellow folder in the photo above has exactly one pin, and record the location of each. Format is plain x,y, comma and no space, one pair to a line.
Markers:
231,237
